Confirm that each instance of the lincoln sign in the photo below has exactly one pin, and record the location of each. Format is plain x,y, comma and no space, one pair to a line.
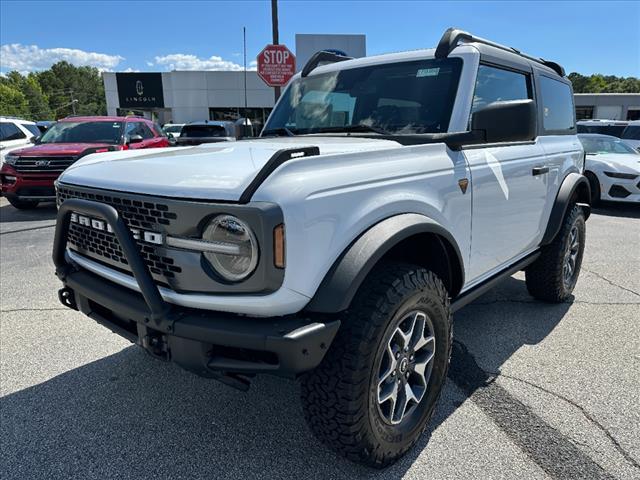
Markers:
276,65
140,90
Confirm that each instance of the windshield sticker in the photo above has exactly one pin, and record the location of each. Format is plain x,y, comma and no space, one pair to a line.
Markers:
428,72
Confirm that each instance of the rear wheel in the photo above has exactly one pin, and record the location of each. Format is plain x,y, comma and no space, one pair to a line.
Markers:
376,389
553,276
23,204
594,183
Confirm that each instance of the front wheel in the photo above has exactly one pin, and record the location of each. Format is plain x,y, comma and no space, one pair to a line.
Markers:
375,391
553,276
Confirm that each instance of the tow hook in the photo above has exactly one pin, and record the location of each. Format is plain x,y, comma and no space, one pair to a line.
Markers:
156,345
67,298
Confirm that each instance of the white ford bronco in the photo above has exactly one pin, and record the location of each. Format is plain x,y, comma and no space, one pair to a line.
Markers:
384,194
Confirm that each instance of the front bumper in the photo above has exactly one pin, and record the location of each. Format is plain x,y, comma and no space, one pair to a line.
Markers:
619,189
35,186
211,344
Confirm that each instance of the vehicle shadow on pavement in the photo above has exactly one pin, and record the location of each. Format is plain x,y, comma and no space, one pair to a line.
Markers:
46,211
613,209
128,415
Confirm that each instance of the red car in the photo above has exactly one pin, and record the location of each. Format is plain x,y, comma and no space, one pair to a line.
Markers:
27,175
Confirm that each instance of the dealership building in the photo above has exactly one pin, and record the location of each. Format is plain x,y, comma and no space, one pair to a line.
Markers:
187,96
607,106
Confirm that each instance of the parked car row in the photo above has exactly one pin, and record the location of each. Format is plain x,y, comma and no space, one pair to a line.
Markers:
628,131
28,173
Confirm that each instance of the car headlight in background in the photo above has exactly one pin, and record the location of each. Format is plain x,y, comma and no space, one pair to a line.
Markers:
241,257
10,159
625,176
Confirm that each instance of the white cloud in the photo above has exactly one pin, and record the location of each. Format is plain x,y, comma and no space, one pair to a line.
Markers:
183,61
29,58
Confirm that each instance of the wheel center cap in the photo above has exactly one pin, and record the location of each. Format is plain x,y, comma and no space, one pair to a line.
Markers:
404,365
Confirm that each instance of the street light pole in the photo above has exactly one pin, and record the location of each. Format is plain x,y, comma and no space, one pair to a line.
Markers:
276,41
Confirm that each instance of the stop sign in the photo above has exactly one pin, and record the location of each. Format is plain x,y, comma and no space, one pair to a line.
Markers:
276,65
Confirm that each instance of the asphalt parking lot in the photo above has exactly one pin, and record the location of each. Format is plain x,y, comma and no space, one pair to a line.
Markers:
535,390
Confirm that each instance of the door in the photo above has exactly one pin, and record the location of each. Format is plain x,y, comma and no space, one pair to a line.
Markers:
509,183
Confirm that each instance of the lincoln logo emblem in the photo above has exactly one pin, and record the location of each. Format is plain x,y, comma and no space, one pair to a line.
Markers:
139,88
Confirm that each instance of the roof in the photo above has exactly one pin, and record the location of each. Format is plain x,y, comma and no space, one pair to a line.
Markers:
17,119
98,118
597,135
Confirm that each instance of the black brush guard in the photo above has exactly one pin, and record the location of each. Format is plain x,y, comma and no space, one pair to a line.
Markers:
212,344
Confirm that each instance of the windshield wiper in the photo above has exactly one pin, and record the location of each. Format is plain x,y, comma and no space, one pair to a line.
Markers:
278,132
353,128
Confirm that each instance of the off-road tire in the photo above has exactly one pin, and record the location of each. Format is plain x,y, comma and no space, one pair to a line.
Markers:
23,204
544,277
594,183
339,397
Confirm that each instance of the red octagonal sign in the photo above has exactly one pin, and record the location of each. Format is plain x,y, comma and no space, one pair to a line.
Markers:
276,65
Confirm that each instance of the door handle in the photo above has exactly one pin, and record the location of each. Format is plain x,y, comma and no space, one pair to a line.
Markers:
539,170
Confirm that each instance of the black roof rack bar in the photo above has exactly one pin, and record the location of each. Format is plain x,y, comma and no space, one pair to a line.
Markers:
452,36
322,56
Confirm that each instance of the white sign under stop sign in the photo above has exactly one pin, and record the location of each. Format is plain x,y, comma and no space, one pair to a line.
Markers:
276,65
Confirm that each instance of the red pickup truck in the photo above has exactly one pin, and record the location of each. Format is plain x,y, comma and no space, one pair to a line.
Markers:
27,175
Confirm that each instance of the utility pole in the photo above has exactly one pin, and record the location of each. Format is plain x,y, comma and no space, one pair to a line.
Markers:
73,103
274,29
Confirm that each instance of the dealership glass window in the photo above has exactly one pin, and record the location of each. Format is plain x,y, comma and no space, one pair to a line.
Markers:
584,113
557,105
257,117
633,113
10,131
495,85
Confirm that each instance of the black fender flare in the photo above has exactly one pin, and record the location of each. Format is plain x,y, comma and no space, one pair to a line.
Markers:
343,280
573,186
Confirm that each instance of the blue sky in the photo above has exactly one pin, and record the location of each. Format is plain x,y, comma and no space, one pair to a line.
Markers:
584,36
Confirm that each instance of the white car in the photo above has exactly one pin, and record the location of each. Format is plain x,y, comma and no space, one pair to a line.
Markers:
384,194
612,167
15,133
173,128
631,135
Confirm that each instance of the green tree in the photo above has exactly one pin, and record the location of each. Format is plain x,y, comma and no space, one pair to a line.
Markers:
598,83
12,101
63,83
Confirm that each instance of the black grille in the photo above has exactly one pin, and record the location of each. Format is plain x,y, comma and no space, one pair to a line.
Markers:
103,245
618,191
43,164
137,214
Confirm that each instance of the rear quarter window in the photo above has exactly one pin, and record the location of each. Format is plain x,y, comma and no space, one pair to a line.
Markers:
557,106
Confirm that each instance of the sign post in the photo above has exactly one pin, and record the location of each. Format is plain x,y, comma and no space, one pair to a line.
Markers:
276,65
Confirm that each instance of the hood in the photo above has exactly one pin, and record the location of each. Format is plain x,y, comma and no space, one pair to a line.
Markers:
52,149
218,171
622,162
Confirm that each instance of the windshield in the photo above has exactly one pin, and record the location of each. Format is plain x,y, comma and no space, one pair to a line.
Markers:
83,132
599,145
614,130
202,131
32,128
395,98
632,132
172,128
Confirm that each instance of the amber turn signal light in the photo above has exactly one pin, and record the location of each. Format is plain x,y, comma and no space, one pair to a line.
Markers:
278,246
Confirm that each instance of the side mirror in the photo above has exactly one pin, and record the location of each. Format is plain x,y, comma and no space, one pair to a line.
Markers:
134,139
35,139
507,121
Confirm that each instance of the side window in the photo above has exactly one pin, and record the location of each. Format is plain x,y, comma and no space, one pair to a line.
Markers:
11,132
158,130
145,130
557,105
131,129
494,84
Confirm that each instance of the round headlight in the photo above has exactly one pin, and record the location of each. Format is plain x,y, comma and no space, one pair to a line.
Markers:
233,266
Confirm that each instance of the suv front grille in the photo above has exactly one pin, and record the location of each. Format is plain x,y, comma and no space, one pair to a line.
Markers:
103,245
43,164
137,214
